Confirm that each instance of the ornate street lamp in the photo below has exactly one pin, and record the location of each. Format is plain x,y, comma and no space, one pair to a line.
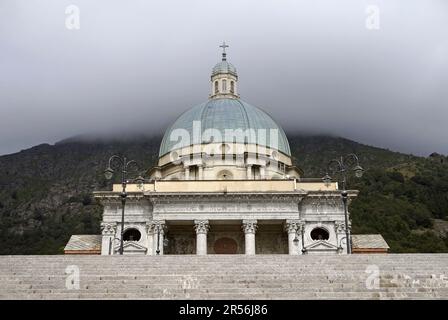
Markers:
122,164
296,240
158,240
165,241
341,166
303,240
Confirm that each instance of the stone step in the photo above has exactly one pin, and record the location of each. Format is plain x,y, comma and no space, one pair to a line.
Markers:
417,276
207,262
229,296
218,277
223,268
203,259
232,292
222,288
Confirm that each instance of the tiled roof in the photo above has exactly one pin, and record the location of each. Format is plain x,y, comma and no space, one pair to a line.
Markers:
368,241
84,242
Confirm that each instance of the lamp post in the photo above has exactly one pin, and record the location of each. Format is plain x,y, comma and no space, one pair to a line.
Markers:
343,164
122,163
296,240
158,240
303,239
165,240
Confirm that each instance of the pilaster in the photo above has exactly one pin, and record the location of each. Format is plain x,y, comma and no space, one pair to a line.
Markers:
108,231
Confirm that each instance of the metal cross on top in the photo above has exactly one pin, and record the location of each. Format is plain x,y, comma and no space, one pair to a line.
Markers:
223,46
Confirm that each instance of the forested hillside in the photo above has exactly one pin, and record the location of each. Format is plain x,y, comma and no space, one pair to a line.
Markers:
45,191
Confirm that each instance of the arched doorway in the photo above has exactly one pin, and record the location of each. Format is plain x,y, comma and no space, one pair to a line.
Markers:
225,246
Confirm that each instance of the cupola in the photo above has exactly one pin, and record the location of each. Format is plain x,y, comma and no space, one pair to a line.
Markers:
224,78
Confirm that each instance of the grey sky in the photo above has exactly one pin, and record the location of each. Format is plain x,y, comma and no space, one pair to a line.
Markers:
313,65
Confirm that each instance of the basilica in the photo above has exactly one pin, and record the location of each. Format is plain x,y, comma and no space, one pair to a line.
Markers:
225,183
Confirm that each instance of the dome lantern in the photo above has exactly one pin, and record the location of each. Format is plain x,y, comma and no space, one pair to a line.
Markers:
224,78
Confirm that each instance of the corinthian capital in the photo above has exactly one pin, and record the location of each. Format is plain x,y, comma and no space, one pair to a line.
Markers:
249,226
293,226
155,226
150,227
201,226
339,226
108,229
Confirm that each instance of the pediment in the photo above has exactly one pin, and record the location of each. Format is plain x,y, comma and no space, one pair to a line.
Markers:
131,246
321,245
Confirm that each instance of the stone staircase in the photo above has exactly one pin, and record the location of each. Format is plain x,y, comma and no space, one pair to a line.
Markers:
392,276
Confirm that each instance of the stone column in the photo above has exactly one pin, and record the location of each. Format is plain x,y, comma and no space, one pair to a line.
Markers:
249,172
249,228
108,230
150,236
201,227
262,172
187,173
294,229
201,172
159,227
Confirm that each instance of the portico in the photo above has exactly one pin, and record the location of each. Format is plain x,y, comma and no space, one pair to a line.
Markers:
260,217
203,237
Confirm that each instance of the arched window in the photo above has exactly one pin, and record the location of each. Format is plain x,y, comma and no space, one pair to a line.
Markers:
319,234
132,235
224,175
232,87
224,85
216,87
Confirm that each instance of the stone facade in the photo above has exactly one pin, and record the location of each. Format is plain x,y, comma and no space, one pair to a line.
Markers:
250,222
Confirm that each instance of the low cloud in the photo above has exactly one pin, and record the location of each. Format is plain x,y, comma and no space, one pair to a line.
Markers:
314,66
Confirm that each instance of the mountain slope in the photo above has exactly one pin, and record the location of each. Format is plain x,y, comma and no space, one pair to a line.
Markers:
45,191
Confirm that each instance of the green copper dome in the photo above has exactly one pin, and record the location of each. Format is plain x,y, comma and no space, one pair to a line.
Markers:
222,114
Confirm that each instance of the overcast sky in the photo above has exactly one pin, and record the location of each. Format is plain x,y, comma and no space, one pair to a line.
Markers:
316,66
